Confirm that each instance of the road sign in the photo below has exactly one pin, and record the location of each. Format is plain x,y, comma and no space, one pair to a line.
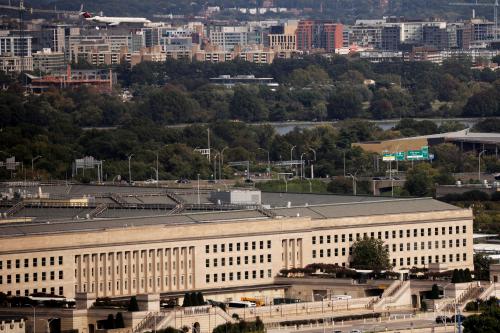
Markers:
421,154
410,155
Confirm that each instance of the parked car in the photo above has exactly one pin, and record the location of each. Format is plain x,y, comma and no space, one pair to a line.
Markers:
356,331
183,181
442,320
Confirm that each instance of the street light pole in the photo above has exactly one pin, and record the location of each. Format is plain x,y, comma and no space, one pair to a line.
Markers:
34,317
198,189
32,165
157,166
291,157
129,169
268,161
312,165
479,165
301,166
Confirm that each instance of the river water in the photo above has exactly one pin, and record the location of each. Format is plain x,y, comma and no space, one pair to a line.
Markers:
286,127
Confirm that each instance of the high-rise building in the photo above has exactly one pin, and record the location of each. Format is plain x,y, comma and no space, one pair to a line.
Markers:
391,37
332,37
304,35
283,37
324,35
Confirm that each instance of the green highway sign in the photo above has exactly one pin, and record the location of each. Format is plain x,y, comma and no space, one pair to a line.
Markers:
410,155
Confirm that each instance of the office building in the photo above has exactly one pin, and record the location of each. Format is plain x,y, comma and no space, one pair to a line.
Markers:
229,249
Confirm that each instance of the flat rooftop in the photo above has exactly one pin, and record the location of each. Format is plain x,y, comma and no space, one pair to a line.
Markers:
323,211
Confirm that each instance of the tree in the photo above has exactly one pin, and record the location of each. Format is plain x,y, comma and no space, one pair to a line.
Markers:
133,306
343,104
420,180
119,323
246,105
482,104
199,298
370,253
434,294
382,109
187,300
481,266
110,322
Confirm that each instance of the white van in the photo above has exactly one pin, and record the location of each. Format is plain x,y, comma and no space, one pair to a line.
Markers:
341,297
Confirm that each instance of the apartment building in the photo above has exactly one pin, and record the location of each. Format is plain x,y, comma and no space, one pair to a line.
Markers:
233,249
49,61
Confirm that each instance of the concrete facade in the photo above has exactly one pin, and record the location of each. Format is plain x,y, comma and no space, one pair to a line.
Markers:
225,250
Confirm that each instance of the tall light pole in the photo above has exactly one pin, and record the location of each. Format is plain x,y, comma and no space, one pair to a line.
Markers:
34,317
32,165
157,170
129,170
222,157
312,165
198,189
268,161
344,161
479,165
291,157
301,166
353,182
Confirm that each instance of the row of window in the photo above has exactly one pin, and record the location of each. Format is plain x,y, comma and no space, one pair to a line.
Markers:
125,268
328,252
387,235
52,291
119,284
429,260
34,262
18,278
246,246
238,276
135,254
230,260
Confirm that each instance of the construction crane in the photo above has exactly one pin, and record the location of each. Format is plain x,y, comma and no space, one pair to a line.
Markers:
31,10
495,5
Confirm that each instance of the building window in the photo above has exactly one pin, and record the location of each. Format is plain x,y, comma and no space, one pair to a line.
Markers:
52,261
26,263
222,247
268,244
230,249
61,260
215,248
314,240
254,246
43,261
314,253
207,248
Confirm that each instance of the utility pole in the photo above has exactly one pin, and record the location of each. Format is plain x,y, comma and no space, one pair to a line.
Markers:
479,165
208,143
129,169
291,157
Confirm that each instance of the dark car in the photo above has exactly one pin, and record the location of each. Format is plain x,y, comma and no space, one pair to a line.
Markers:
442,320
183,181
248,181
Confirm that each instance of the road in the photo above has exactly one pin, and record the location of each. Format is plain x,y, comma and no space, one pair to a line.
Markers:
373,325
